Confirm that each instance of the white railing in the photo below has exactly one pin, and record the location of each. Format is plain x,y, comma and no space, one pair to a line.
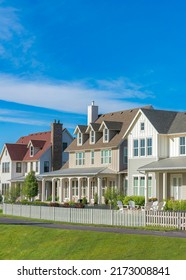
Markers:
133,218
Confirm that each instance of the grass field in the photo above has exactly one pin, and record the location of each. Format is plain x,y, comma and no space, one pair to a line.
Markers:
18,242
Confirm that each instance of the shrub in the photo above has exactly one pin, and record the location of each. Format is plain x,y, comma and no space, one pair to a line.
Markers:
84,200
139,200
79,205
54,204
175,205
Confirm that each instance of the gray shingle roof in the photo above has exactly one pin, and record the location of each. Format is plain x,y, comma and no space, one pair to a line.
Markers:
175,163
160,119
123,117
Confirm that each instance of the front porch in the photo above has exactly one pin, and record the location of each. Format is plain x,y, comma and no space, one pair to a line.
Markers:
170,178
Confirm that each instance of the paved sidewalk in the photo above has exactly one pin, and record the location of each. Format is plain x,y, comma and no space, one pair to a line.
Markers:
178,234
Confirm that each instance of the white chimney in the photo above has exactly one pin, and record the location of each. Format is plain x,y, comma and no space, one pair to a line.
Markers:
92,113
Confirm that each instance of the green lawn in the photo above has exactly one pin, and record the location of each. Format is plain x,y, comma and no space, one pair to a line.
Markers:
19,242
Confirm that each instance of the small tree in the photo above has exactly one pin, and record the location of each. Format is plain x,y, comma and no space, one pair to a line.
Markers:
110,196
30,186
14,193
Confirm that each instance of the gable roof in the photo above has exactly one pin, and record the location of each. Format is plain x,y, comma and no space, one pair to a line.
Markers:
16,151
160,119
121,118
179,123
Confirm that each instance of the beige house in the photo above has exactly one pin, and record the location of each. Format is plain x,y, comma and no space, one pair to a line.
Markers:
97,158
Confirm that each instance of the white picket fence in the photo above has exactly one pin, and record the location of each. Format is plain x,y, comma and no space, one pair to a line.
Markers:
132,218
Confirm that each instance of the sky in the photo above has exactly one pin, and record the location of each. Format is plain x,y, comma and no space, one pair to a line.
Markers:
56,57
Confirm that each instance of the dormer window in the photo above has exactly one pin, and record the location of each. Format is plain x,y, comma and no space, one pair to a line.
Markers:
80,138
31,151
92,137
105,135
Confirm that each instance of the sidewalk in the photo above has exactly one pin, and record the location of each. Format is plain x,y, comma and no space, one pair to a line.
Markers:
175,233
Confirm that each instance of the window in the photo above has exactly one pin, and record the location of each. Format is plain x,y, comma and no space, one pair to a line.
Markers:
139,185
135,185
5,189
80,158
125,155
84,188
182,145
31,151
142,126
75,188
64,145
105,135
46,166
149,146
5,167
80,138
37,166
106,156
92,157
135,148
31,166
66,190
92,137
18,167
142,186
26,167
142,147
149,186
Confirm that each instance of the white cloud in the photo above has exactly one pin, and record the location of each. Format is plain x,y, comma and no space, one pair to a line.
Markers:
72,96
9,23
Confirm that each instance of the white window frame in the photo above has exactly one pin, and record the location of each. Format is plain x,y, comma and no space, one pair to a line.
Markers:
80,138
105,135
142,148
31,151
92,137
142,126
80,158
139,189
182,145
149,147
106,156
136,148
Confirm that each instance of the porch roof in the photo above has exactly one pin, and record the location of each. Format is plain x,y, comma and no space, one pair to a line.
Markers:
174,163
78,172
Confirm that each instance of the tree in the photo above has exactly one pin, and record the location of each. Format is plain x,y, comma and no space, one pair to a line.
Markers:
14,193
110,196
30,186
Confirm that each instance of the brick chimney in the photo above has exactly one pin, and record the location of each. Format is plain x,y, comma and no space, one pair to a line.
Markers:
56,140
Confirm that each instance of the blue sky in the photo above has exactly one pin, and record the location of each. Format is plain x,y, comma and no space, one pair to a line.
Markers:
58,56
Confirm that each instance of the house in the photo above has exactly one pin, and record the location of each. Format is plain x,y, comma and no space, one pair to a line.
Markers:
97,158
157,154
41,152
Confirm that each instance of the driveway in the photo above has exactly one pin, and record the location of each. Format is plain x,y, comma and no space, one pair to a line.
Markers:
11,221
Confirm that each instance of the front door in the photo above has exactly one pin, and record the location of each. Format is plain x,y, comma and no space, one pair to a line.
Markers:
176,186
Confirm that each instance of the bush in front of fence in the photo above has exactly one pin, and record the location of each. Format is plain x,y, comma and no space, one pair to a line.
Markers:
139,200
175,205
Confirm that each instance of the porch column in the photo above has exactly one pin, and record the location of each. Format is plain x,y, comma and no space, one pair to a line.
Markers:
146,188
99,190
70,189
79,187
60,190
165,185
53,190
43,197
88,190
156,194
